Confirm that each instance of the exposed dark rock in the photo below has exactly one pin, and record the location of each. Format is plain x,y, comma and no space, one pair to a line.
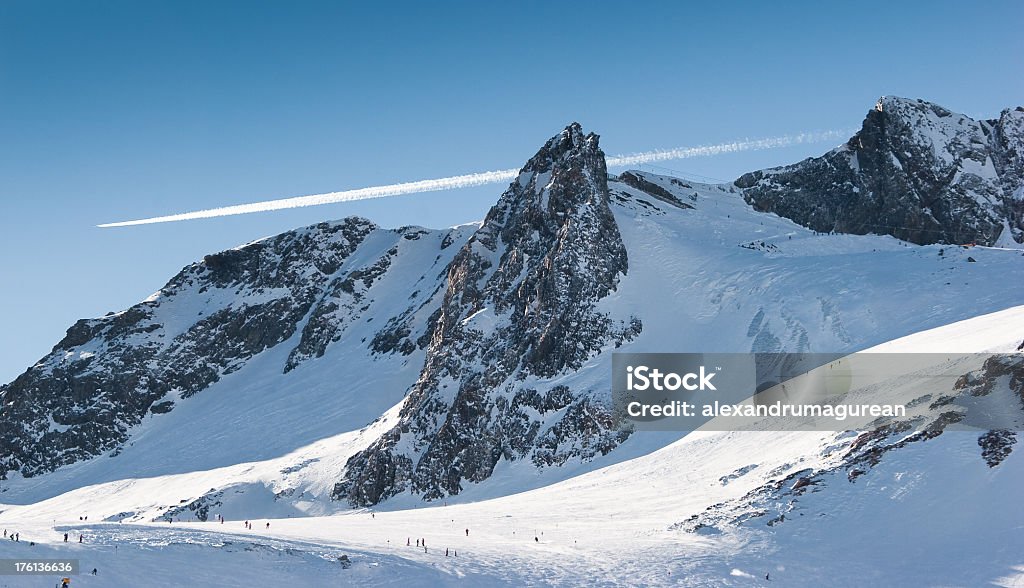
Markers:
649,187
996,446
520,301
198,508
915,171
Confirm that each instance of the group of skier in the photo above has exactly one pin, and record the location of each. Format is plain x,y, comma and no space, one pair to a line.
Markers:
248,525
423,543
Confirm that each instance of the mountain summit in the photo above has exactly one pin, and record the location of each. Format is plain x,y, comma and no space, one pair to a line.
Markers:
376,364
916,171
519,305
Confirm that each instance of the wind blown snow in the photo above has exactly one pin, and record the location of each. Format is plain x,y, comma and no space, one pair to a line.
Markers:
480,179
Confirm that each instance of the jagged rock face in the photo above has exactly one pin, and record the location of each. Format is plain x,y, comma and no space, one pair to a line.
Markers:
102,379
644,185
915,171
520,303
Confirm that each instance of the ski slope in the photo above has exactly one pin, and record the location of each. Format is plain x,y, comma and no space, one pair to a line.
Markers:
931,513
265,446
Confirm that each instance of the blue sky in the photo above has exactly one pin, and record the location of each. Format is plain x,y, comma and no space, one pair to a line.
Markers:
125,109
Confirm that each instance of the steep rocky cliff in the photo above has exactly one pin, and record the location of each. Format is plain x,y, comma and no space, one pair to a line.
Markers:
519,308
916,171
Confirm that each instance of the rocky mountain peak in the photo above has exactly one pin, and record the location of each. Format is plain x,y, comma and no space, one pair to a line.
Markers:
570,143
898,104
915,170
567,173
520,302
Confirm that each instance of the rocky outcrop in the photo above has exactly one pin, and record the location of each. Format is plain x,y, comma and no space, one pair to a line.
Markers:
770,502
520,303
107,374
641,183
915,171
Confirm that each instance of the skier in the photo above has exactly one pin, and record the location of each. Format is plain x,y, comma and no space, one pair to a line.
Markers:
268,525
467,532
65,537
535,539
80,537
407,540
446,552
94,571
417,543
766,576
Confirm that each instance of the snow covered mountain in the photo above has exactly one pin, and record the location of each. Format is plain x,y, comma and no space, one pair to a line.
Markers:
916,171
344,364
306,288
520,307
711,509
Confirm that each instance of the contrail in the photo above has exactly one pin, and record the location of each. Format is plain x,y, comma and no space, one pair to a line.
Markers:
479,179
735,146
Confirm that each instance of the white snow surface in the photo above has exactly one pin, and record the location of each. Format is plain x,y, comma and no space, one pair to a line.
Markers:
268,447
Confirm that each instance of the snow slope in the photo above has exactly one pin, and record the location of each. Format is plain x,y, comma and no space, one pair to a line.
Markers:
715,277
270,434
930,513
